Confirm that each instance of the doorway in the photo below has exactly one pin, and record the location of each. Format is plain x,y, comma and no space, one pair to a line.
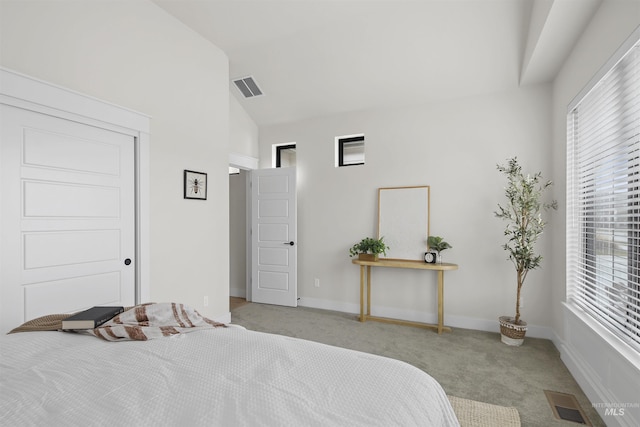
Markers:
274,236
240,167
238,234
241,246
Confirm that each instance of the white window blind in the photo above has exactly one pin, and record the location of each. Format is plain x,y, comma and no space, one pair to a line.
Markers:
603,197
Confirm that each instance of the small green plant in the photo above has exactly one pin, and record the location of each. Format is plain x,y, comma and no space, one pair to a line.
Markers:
437,243
369,245
523,214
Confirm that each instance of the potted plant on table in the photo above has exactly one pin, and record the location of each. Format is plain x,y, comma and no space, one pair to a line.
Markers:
438,244
369,249
523,214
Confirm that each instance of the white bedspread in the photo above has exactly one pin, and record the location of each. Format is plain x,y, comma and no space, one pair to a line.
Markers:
221,377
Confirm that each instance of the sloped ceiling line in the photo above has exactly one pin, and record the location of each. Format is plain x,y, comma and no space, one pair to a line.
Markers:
324,57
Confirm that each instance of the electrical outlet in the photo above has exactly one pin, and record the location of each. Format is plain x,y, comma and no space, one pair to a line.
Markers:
316,282
206,301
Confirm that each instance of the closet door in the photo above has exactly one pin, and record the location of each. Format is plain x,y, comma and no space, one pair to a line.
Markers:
68,216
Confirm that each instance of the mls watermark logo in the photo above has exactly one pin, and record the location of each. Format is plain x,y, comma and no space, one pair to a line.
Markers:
616,412
612,409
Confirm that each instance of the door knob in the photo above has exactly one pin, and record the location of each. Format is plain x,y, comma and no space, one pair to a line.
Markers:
127,261
289,243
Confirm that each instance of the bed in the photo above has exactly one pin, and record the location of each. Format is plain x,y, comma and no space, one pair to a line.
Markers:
227,376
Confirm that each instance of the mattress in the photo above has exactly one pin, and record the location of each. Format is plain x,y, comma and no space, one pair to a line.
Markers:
218,377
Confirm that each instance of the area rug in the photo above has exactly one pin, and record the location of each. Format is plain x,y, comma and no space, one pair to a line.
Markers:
478,414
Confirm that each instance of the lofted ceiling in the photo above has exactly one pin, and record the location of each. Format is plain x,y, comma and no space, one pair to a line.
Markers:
321,57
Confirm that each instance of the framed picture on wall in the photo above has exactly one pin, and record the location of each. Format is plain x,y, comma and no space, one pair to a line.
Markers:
403,220
195,185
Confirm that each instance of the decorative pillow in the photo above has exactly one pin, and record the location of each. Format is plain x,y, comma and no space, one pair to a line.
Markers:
50,322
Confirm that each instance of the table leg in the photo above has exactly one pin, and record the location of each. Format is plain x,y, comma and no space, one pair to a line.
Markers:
440,300
362,293
368,290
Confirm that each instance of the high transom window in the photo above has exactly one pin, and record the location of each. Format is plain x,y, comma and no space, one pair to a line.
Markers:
350,150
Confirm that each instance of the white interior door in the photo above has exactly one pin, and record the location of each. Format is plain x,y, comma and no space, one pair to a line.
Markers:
67,216
273,236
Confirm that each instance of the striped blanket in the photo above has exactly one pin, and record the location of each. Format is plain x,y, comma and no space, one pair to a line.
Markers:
152,320
141,322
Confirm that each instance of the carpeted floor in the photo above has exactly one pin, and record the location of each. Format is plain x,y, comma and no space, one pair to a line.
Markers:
468,364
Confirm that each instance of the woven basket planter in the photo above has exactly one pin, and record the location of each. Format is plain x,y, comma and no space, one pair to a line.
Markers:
368,257
511,333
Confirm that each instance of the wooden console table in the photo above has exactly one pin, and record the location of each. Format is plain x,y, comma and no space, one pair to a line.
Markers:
420,265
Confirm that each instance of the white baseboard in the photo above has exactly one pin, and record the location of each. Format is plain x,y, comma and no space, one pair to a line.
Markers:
586,378
420,316
609,377
322,304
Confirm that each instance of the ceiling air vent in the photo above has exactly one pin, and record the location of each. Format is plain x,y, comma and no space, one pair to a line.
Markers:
248,87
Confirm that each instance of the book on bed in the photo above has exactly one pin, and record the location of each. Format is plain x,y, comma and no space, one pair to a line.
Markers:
91,318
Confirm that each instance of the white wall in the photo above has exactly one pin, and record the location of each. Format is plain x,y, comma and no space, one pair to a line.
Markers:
243,131
454,148
609,28
602,372
134,54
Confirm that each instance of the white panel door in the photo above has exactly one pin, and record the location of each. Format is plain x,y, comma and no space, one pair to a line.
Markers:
273,236
67,218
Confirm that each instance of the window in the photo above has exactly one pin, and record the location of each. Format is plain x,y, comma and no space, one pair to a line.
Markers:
603,196
350,150
284,155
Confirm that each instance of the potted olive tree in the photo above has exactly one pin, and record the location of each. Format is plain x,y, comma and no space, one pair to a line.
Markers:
369,249
523,214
